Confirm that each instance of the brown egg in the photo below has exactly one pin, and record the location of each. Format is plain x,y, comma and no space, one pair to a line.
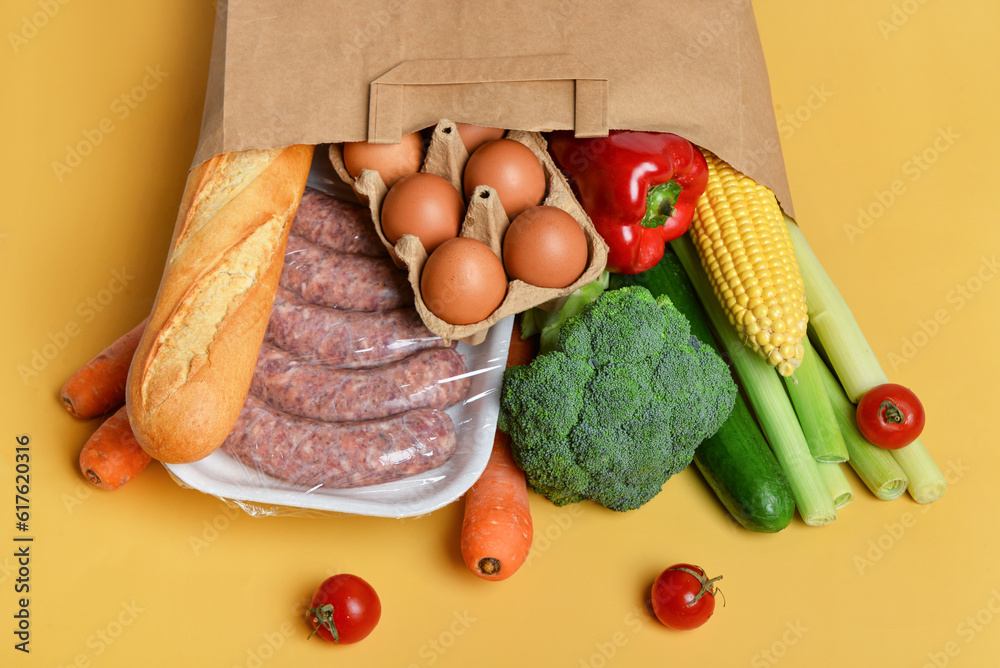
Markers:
463,281
545,246
510,168
425,205
474,136
391,161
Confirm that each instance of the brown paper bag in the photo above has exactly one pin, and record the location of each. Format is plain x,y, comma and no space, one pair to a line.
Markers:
311,71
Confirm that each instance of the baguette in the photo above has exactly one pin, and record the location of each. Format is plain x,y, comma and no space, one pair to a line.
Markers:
192,369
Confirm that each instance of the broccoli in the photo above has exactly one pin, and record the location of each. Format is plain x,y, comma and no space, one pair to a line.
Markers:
619,405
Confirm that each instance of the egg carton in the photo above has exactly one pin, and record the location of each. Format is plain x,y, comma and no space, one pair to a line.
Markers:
484,221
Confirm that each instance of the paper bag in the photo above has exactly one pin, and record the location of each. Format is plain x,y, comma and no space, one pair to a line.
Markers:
312,71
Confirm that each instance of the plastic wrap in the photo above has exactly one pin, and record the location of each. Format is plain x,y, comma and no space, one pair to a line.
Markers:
355,407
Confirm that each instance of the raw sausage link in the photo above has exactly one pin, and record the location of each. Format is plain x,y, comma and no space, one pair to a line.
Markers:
340,455
434,378
348,339
343,280
341,226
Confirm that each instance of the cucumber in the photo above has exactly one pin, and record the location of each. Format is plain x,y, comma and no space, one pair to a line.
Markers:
736,462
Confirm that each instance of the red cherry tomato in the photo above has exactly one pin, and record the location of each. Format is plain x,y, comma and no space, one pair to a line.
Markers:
890,416
683,597
344,609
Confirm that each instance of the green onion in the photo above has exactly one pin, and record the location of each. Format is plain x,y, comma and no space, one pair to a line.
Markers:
840,487
768,398
875,466
927,483
812,405
834,323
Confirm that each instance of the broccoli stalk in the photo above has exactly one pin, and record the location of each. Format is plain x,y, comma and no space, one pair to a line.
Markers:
618,406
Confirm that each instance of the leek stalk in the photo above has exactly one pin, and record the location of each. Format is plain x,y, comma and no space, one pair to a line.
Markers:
836,481
877,468
812,404
834,323
768,398
844,344
927,482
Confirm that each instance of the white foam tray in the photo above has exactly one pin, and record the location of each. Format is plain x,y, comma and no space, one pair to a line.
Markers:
475,425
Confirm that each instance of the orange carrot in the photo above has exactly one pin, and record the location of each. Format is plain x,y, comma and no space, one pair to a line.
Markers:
99,386
497,528
112,457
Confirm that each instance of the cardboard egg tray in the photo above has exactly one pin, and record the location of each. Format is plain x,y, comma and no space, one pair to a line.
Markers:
484,221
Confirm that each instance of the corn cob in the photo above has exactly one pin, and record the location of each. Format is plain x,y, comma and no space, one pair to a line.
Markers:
744,246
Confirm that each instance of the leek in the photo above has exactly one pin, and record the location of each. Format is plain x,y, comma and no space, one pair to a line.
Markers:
768,398
812,405
834,324
927,483
840,487
840,337
875,466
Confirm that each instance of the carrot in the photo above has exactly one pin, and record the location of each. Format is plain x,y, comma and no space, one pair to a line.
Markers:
112,456
497,529
99,386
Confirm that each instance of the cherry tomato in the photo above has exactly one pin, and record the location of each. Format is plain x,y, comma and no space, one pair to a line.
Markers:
684,597
890,416
344,609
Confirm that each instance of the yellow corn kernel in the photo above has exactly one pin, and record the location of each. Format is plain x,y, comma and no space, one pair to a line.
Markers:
741,237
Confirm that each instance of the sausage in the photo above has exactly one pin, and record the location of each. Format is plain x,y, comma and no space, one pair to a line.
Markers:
433,378
340,455
347,339
343,280
342,226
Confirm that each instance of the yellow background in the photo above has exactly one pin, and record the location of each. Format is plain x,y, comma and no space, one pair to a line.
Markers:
886,107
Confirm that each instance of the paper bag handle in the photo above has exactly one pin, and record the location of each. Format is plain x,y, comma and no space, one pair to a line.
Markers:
586,105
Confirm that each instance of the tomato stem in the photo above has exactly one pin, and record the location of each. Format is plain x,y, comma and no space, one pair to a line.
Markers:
706,584
323,616
890,412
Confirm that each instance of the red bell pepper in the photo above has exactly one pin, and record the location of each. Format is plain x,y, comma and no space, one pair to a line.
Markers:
639,188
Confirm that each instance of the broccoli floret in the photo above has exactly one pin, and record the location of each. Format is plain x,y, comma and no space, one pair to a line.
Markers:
543,401
625,325
619,406
696,376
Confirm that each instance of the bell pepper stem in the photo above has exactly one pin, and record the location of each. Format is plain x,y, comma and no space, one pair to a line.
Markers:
660,202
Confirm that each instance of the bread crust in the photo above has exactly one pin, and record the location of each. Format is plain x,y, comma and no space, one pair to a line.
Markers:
192,370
